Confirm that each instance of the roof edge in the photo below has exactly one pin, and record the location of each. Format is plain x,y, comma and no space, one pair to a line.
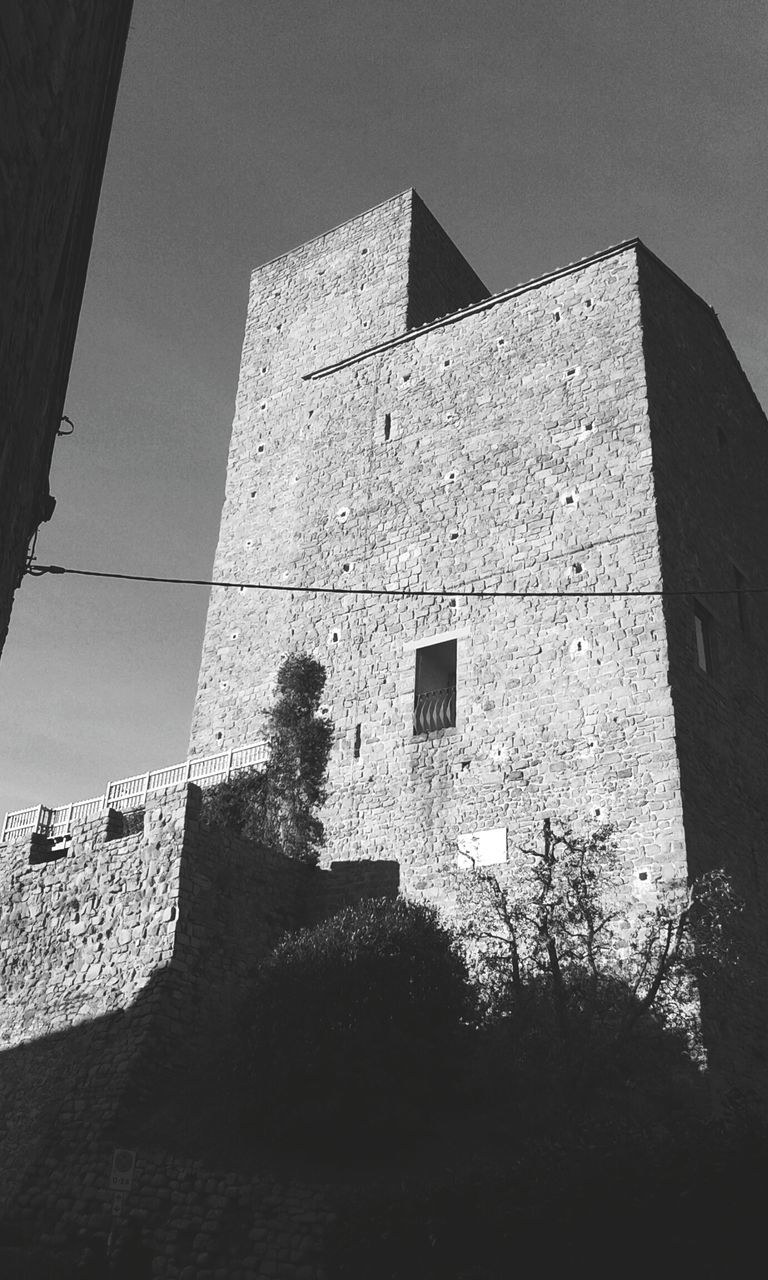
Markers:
484,305
407,191
715,319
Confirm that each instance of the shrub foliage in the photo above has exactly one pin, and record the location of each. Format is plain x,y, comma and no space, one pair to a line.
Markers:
239,804
358,1020
300,741
278,806
569,964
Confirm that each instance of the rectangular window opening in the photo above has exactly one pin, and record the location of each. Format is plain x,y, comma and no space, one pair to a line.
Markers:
356,748
703,628
434,699
387,427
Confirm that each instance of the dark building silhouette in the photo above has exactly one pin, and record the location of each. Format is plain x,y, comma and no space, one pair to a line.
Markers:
60,66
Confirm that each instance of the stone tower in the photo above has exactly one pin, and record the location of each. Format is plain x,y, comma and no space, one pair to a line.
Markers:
397,427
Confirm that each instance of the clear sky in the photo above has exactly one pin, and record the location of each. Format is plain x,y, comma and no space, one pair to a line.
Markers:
537,131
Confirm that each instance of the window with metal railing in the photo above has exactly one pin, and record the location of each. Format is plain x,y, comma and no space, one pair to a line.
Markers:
434,699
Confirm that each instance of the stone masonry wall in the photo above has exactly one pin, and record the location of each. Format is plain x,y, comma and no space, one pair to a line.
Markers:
507,449
440,280
81,938
120,963
710,456
62,61
116,959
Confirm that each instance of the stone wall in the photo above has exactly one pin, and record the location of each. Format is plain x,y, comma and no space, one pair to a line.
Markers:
185,1218
589,431
440,280
62,65
710,459
122,961
81,937
509,448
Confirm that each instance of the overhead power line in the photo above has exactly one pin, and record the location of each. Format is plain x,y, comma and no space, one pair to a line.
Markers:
38,570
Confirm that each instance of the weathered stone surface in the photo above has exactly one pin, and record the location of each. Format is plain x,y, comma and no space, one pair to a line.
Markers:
590,431
113,979
481,454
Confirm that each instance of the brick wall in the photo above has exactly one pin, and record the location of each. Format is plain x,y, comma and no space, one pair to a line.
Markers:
62,65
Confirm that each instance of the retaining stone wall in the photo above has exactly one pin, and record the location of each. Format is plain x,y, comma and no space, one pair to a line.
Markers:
191,1221
122,962
81,938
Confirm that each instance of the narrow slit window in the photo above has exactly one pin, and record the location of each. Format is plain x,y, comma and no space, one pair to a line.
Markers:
434,699
702,621
724,452
742,600
358,735
387,427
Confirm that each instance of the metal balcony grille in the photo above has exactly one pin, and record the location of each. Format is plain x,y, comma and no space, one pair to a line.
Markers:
434,710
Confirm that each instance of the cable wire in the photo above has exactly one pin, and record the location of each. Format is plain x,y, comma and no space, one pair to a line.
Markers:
37,571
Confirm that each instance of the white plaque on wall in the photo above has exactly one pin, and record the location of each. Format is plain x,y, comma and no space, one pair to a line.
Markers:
483,848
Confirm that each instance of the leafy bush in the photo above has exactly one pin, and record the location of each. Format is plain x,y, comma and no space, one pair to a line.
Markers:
356,1025
239,804
582,987
558,919
299,745
278,805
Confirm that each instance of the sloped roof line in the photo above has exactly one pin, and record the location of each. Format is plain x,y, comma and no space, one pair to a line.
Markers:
485,303
537,282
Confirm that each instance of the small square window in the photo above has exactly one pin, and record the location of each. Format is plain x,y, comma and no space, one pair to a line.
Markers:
434,698
703,625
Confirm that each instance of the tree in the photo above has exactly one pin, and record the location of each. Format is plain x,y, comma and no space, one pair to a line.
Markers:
278,805
356,1023
239,804
557,928
300,741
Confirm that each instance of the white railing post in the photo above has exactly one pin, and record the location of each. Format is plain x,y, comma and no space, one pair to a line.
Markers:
41,818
